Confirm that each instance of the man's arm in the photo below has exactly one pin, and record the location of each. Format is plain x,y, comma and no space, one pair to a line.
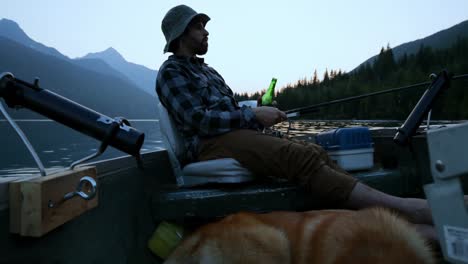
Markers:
266,116
176,92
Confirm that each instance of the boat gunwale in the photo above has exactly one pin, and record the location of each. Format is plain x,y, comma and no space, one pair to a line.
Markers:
105,168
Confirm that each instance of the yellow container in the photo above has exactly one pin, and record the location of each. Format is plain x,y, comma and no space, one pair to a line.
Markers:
165,239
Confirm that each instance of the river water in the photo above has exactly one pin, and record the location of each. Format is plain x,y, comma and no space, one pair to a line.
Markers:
58,146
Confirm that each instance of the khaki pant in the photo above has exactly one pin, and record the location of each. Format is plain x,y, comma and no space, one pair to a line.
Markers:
265,155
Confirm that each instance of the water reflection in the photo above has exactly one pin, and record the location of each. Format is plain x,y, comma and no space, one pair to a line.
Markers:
58,146
303,128
306,129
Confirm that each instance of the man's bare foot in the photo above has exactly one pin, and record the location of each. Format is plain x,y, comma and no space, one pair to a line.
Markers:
417,210
428,232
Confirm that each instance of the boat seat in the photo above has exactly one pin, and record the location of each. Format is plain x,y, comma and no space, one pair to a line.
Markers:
197,173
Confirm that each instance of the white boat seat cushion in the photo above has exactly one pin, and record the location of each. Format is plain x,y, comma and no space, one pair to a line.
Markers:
212,171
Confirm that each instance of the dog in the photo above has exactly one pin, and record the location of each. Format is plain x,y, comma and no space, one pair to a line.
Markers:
372,235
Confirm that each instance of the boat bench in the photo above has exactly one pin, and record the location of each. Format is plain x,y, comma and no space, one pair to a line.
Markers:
218,200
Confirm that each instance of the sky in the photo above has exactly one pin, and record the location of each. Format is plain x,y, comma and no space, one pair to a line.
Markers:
250,41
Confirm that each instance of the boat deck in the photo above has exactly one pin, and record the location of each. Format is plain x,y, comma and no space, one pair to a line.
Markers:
132,201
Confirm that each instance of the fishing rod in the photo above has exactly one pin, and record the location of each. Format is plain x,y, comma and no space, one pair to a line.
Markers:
314,108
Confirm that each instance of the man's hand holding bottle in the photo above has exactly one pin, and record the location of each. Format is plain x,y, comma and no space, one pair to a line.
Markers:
268,116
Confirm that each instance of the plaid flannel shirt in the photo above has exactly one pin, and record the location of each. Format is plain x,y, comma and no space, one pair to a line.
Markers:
199,101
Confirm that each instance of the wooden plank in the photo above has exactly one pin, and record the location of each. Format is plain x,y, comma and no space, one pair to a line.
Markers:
30,214
15,198
30,209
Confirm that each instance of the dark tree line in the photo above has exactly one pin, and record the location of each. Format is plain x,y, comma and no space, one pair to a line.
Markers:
384,73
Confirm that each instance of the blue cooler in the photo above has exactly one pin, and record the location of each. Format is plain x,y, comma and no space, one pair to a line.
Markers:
351,148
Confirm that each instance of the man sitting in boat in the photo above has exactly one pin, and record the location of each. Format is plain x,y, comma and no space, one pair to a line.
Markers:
214,126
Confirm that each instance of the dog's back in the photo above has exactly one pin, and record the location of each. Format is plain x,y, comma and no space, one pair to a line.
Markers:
328,236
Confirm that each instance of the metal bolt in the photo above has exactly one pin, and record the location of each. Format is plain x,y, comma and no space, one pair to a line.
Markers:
440,166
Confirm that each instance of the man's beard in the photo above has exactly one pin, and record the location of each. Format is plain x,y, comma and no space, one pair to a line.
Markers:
202,49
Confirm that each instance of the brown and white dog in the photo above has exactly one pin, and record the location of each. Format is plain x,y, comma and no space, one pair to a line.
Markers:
328,236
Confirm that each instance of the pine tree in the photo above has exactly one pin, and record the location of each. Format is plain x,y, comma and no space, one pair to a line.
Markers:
315,80
326,77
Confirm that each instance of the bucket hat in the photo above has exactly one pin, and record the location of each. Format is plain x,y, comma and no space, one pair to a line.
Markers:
176,21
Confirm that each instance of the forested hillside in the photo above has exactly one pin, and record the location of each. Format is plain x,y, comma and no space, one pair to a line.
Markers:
384,73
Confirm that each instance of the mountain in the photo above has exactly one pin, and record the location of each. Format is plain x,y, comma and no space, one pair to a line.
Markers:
107,94
440,40
143,77
11,30
140,75
99,66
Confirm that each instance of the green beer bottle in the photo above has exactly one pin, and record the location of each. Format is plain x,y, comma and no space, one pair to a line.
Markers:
267,98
